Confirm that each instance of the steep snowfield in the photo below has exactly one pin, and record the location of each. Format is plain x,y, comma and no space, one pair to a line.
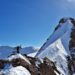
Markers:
16,71
56,48
63,33
19,70
56,53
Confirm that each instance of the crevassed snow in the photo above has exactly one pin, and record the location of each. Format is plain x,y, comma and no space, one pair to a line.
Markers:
16,71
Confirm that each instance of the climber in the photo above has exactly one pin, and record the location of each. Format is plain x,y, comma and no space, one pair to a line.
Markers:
18,49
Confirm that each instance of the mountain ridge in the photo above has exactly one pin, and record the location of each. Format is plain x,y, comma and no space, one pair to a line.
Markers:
60,45
55,57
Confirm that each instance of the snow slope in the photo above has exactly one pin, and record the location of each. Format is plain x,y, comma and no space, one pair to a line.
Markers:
16,71
19,70
56,52
63,33
56,48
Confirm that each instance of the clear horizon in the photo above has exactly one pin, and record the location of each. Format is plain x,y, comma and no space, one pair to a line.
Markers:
30,23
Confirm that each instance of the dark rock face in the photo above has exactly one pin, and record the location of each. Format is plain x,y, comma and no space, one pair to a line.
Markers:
21,62
73,21
71,61
3,62
72,43
63,20
48,67
1,65
71,65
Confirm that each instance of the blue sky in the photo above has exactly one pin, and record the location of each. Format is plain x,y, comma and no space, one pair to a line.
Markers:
30,22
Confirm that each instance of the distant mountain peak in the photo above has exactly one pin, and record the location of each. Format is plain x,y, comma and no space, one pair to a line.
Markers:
6,51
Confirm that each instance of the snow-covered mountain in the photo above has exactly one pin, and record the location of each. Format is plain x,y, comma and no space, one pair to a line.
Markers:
55,57
28,50
58,45
6,51
62,32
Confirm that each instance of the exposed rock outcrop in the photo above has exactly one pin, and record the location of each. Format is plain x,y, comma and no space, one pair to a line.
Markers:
45,68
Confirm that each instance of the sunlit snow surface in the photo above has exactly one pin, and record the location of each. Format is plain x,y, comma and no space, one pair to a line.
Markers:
16,71
56,53
19,70
56,47
63,33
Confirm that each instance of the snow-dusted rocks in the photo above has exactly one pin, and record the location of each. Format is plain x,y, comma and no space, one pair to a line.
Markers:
18,56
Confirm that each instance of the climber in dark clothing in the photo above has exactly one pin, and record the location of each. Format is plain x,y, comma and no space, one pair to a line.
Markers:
18,49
